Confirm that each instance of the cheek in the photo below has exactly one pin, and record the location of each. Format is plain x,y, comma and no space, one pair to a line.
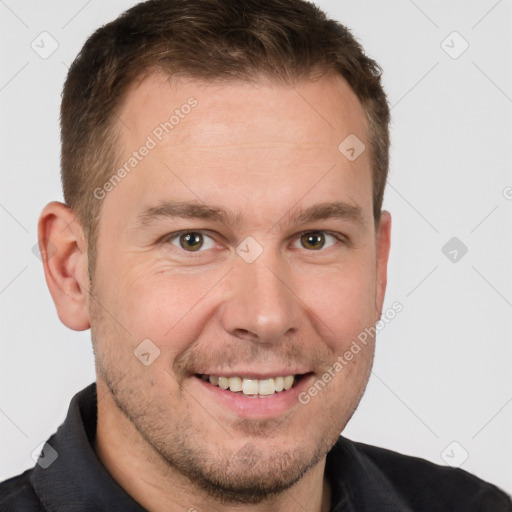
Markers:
341,302
164,306
151,320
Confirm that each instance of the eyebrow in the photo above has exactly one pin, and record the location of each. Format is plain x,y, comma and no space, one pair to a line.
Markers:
193,210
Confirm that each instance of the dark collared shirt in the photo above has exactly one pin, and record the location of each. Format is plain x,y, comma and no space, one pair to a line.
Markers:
71,478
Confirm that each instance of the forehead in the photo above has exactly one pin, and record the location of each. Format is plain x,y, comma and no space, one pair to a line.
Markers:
250,138
326,107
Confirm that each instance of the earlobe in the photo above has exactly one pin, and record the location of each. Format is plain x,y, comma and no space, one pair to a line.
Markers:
63,250
383,247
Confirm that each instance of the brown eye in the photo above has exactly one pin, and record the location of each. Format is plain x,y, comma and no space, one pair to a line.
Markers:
191,241
314,240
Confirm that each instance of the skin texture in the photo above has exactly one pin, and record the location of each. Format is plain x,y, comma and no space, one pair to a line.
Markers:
262,151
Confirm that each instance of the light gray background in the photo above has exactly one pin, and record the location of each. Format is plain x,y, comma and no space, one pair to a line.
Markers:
442,369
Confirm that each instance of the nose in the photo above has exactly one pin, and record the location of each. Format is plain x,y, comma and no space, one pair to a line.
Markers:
260,305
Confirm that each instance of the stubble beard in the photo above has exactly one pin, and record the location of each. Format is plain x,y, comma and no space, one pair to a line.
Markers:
248,474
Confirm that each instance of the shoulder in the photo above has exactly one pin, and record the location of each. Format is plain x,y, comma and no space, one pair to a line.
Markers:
428,486
17,494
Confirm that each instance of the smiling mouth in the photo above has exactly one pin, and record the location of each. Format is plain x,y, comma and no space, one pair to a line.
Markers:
253,387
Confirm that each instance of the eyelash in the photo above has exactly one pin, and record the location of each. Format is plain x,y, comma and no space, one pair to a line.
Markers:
168,239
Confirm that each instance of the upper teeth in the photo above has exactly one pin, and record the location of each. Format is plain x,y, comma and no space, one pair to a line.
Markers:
252,386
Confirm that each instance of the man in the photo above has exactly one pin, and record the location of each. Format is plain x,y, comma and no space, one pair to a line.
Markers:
223,166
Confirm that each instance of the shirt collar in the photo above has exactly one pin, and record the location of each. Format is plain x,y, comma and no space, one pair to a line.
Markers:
77,480
357,483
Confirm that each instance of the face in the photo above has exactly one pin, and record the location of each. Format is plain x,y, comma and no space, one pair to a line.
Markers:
241,247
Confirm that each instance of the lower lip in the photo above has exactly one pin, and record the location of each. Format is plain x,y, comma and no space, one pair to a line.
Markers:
256,406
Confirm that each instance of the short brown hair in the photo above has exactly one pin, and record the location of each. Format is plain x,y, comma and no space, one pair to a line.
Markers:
285,40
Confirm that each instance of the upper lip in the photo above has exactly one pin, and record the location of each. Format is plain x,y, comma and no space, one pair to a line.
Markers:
255,375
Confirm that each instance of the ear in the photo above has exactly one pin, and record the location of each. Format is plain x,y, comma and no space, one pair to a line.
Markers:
63,250
383,246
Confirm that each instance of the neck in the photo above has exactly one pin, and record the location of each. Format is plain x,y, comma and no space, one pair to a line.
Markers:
157,487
